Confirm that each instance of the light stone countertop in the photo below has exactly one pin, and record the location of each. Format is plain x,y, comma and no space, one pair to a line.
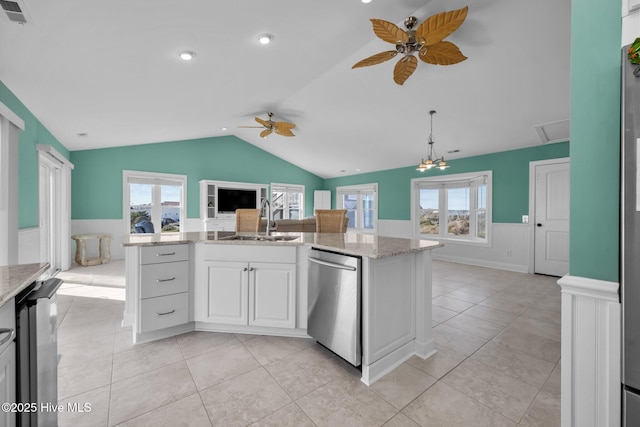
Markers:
14,278
367,245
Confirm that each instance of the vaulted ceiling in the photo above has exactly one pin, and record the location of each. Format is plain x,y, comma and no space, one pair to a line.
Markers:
111,70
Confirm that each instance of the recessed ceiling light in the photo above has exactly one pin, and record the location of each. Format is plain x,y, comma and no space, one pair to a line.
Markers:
186,55
223,128
265,38
366,1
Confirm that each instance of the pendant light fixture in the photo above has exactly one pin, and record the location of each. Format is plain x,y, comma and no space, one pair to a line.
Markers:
432,160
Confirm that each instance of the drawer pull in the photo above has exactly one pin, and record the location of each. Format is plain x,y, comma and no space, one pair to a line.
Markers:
166,312
165,280
11,332
167,254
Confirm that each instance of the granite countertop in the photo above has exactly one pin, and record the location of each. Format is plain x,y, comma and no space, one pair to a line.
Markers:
367,245
14,278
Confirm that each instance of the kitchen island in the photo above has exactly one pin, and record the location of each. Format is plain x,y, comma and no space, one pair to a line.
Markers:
257,284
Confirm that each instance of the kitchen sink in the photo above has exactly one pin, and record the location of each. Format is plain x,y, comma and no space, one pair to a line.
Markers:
259,238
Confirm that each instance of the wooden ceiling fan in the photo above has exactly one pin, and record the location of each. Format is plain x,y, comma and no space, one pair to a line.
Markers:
426,39
280,128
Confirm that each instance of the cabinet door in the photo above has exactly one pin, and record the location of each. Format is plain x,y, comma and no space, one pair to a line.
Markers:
272,295
227,293
8,383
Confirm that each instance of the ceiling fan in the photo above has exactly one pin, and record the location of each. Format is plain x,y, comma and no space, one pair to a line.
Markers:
281,128
426,39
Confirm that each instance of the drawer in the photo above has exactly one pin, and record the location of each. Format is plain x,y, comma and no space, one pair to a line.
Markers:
164,312
163,253
164,279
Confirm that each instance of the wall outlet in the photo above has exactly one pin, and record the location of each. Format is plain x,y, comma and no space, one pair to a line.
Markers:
525,219
509,253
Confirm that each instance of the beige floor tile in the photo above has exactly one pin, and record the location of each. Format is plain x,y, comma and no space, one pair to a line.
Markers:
85,328
186,412
401,420
346,402
467,295
221,364
83,377
84,350
267,349
138,395
402,385
288,416
482,328
443,406
96,413
145,357
500,302
529,369
545,412
457,340
452,303
244,399
439,314
532,344
439,364
550,330
305,371
491,314
501,392
196,343
552,386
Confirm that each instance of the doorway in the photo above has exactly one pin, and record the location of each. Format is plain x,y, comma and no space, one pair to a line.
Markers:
549,216
54,208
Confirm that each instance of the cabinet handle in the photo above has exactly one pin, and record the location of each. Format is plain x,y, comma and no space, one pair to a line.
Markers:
166,312
167,254
251,269
11,332
245,269
165,280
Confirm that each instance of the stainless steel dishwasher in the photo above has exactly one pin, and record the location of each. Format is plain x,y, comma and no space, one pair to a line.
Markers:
334,303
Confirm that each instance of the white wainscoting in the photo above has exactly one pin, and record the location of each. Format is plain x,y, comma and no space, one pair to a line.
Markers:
509,248
29,245
591,340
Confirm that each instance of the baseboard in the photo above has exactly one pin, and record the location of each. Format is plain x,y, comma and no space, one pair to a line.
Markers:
481,263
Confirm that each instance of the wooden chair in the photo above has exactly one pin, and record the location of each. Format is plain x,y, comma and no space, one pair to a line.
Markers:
248,220
331,220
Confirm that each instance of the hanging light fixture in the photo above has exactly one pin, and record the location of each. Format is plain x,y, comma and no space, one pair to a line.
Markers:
432,160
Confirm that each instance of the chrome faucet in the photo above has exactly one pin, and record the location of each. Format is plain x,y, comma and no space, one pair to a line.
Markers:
265,201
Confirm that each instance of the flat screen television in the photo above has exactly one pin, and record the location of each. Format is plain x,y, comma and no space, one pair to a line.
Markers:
230,199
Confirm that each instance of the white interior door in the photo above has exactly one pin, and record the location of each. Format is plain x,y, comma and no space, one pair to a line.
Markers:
551,219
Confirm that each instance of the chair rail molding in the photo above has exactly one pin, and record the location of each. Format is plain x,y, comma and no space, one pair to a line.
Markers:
591,340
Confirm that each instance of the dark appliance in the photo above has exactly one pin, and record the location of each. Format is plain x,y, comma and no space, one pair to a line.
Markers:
230,199
37,352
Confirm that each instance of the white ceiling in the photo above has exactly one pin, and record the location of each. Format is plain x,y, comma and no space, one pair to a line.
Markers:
111,70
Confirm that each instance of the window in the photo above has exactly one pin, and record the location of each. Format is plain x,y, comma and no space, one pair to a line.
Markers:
453,207
361,204
155,198
287,201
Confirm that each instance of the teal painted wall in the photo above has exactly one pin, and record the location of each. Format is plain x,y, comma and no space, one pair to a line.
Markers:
97,177
510,181
34,133
595,136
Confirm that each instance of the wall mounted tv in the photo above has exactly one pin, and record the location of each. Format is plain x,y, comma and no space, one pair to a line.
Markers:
230,199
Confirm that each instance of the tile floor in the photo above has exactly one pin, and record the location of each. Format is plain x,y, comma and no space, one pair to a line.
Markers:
497,334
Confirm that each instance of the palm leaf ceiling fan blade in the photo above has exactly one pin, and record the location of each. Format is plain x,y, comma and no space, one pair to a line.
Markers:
404,68
378,58
443,53
269,126
437,27
284,132
389,32
265,133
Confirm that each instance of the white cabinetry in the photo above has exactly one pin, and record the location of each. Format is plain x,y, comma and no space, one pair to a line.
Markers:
321,199
163,288
246,285
7,361
212,218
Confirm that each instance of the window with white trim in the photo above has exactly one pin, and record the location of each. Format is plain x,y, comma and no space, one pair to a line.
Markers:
156,198
361,203
456,207
287,201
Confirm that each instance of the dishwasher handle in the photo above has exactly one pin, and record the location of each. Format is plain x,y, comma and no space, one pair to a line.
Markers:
332,264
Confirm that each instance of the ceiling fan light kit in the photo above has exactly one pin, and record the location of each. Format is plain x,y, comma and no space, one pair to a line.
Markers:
432,160
427,40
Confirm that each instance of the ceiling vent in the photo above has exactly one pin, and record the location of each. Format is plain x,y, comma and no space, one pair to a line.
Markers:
15,10
553,131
